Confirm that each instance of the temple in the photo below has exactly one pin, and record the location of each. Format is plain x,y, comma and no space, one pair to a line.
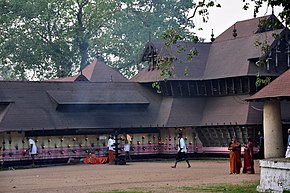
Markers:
204,98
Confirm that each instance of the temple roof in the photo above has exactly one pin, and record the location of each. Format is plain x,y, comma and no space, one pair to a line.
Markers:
86,105
232,58
230,110
184,69
69,105
278,88
97,71
227,56
101,98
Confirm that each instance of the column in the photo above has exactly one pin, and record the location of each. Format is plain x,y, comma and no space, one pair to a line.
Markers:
273,139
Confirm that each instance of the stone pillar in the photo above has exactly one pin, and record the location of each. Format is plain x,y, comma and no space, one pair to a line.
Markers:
273,137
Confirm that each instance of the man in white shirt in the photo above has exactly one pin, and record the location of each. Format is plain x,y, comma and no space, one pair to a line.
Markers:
111,150
182,150
32,149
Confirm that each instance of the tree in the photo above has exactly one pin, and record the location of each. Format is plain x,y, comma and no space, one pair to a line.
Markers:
284,15
142,21
171,36
51,38
44,39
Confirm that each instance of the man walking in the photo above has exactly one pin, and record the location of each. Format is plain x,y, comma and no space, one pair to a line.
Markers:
32,150
182,150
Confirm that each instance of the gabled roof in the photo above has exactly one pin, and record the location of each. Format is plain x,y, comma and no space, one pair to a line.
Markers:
184,69
230,110
85,105
97,71
231,56
227,56
183,111
279,88
246,28
71,105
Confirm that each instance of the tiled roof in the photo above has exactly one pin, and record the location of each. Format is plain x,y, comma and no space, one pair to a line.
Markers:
231,58
230,110
38,105
108,100
279,88
225,57
245,28
97,71
70,105
182,65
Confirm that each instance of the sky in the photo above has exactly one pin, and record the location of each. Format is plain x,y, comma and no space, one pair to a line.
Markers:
222,18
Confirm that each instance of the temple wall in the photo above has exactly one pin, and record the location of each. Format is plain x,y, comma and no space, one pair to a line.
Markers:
13,145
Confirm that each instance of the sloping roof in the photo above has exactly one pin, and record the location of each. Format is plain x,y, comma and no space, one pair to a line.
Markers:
185,112
179,52
225,57
279,88
86,105
95,97
39,105
108,100
245,28
230,57
230,110
97,71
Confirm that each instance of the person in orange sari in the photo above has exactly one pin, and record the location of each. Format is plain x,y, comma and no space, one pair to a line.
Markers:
235,156
249,157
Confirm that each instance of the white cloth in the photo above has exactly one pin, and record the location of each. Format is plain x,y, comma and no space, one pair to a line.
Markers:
182,145
111,144
33,149
287,155
127,147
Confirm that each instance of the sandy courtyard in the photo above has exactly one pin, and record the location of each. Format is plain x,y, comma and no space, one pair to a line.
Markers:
139,176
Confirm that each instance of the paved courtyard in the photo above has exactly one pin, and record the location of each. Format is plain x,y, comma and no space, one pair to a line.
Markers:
139,176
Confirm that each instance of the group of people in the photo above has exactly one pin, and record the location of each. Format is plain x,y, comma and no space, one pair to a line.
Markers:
112,148
235,156
234,148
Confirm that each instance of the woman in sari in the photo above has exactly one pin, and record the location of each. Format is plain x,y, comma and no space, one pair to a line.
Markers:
235,156
249,157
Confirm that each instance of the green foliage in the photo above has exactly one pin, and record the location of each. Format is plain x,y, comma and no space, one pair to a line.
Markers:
241,188
263,46
193,52
156,85
50,38
173,35
284,15
260,81
260,63
42,39
122,192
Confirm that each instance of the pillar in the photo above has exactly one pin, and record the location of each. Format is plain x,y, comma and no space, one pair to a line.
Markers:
273,137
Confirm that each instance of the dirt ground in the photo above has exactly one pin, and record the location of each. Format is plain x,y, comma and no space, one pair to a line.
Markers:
157,177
